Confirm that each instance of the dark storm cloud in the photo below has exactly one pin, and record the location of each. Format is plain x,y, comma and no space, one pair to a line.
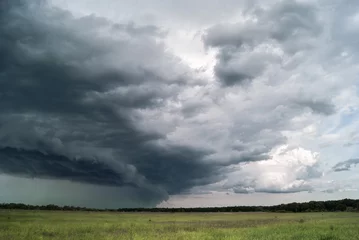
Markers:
43,60
88,102
346,165
175,169
32,163
67,96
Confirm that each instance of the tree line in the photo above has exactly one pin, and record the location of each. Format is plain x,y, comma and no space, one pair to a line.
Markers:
312,206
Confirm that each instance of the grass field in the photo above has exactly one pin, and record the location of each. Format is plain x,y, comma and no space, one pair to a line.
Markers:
17,224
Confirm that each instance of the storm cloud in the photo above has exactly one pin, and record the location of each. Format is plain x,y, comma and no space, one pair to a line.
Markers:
103,103
68,93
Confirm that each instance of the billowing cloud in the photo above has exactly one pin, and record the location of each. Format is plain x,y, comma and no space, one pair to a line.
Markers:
266,36
288,170
112,105
69,89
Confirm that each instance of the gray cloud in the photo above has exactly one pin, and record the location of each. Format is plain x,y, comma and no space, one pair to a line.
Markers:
346,165
318,106
280,21
289,24
32,163
108,105
68,94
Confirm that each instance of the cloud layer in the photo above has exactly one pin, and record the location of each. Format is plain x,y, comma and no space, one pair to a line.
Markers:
109,103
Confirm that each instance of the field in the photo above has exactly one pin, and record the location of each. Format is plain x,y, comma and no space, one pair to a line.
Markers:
31,225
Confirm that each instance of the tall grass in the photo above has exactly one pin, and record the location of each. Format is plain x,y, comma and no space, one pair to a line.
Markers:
37,225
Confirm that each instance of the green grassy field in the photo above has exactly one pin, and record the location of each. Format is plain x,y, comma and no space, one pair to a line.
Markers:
17,224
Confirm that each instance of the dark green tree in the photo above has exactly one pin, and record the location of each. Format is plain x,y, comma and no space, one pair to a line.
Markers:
341,207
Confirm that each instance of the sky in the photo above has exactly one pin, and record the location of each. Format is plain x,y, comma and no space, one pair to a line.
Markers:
114,104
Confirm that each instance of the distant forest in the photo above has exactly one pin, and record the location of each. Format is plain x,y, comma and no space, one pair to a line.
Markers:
312,206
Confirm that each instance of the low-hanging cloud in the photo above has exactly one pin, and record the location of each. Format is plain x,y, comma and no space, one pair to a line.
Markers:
67,95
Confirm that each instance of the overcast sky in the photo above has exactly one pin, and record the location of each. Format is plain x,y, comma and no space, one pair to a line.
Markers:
178,103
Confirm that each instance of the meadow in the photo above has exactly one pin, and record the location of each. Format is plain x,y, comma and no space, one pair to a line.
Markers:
31,225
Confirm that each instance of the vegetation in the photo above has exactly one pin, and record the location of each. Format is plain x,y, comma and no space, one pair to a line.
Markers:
56,225
313,206
321,220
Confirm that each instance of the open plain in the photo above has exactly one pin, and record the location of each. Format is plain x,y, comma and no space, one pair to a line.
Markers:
60,225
